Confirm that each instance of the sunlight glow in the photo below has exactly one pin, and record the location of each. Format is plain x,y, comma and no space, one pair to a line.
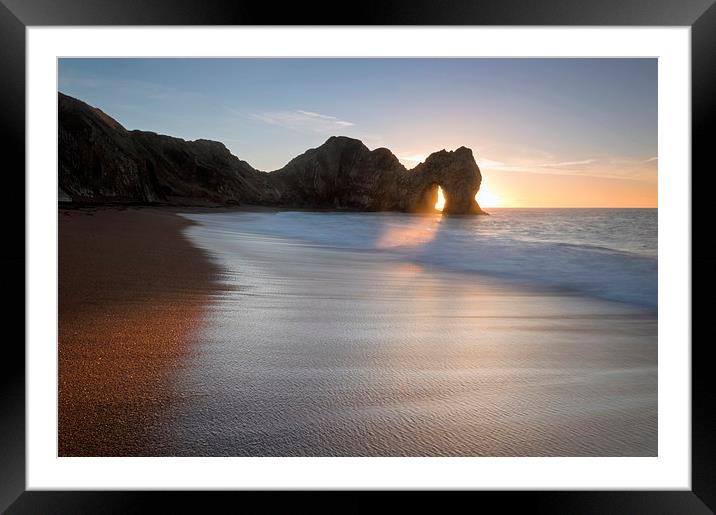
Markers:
420,231
487,198
440,204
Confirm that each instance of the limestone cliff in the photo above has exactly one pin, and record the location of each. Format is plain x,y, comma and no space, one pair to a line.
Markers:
101,161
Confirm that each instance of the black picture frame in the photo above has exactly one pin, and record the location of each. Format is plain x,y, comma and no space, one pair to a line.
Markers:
16,15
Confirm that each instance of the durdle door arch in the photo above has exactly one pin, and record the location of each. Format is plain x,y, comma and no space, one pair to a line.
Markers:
456,173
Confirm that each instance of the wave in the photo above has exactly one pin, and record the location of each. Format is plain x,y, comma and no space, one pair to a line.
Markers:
539,249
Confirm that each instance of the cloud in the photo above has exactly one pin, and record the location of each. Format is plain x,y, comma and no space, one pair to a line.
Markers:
568,164
605,168
536,162
485,163
303,121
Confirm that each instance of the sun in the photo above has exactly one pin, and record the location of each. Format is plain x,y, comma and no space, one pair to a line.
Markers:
487,198
440,204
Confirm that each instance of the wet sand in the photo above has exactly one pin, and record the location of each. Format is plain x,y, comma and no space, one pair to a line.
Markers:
316,351
251,345
132,292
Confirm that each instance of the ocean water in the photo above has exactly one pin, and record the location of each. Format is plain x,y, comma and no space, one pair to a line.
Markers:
604,253
526,333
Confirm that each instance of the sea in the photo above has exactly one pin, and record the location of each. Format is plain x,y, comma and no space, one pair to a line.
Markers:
604,253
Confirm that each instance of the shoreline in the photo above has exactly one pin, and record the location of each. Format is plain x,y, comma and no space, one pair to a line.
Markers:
72,205
165,350
132,291
324,351
422,232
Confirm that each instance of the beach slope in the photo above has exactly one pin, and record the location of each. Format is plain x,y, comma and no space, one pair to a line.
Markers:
131,295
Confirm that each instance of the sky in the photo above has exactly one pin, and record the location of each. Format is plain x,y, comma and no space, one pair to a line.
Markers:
545,132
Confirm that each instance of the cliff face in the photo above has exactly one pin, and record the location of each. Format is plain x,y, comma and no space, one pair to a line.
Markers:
101,161
343,174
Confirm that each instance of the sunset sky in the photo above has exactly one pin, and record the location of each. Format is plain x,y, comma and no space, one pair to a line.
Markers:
545,132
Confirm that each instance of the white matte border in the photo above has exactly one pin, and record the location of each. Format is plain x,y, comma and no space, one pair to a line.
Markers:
670,470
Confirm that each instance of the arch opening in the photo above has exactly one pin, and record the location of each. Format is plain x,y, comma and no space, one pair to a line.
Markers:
432,199
440,203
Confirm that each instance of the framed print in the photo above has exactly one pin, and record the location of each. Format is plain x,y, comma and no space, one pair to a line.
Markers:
430,250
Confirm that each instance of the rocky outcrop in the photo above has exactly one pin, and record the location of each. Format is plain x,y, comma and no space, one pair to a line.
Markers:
458,175
101,161
342,174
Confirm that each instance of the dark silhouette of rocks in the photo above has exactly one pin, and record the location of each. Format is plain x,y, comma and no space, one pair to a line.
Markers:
100,161
458,175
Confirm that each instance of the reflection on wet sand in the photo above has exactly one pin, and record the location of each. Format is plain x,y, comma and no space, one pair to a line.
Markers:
316,351
131,296
421,232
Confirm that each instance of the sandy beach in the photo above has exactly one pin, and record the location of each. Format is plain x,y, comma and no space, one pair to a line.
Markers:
132,292
318,351
179,338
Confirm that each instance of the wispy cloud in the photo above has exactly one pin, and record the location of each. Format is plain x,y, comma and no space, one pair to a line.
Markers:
304,121
544,163
485,163
568,164
606,168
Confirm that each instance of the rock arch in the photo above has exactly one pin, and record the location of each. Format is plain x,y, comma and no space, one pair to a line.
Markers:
456,173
